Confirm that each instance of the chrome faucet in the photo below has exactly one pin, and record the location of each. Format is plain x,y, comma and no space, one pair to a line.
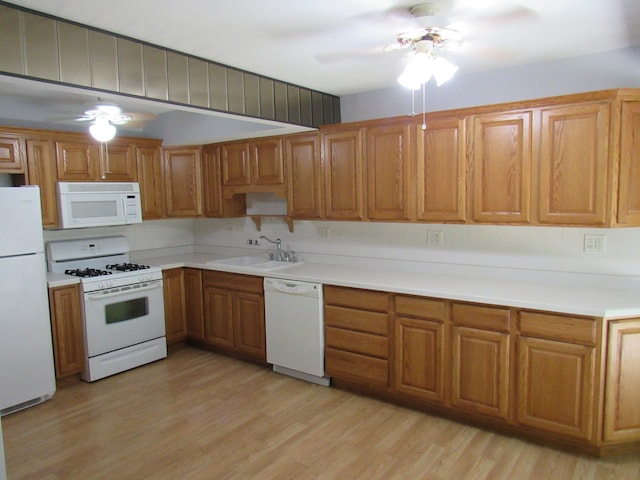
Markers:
277,242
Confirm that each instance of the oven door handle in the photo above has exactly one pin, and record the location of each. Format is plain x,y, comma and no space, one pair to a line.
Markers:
100,296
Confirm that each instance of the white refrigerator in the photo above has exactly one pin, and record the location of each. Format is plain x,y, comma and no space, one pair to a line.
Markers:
26,354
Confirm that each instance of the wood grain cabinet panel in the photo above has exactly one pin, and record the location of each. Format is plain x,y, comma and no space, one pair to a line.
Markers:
183,181
622,394
11,156
41,166
441,170
236,168
267,161
389,172
174,305
501,155
214,203
194,306
556,386
68,330
118,163
151,181
343,174
629,193
574,165
77,161
234,313
304,176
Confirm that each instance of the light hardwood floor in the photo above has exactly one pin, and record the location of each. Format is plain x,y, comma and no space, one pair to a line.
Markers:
198,415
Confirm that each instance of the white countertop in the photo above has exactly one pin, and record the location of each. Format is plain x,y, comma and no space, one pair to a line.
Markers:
60,280
599,302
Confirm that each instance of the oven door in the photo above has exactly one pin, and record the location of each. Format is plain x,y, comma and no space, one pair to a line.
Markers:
120,317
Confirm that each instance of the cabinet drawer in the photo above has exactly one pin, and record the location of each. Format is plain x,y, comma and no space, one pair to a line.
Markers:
355,298
370,322
481,317
360,368
358,342
580,330
421,307
233,281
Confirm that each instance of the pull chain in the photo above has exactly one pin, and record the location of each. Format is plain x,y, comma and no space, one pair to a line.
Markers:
424,107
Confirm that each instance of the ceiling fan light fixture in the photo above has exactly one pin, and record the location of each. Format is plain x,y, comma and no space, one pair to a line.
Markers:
102,130
422,67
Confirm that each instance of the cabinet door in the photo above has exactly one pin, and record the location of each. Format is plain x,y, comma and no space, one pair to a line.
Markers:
118,163
194,307
174,305
218,317
236,169
501,167
629,193
480,371
342,153
41,166
212,185
67,328
389,173
151,179
267,161
304,176
574,165
248,318
11,158
182,177
622,395
555,386
419,362
77,161
441,171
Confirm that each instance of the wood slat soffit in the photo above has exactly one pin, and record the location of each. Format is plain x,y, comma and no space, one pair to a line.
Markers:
46,48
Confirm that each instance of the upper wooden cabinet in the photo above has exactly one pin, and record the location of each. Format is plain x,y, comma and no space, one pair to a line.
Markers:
501,167
41,168
213,202
389,172
11,154
183,180
574,165
441,170
255,165
151,180
629,183
79,160
343,176
304,179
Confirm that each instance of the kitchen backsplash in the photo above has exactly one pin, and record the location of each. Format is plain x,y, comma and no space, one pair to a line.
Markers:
549,254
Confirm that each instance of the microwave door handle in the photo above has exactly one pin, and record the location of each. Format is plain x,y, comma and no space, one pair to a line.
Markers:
98,296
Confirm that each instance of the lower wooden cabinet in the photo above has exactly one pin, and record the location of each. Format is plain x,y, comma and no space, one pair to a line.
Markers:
622,394
174,305
419,347
194,307
67,330
357,336
556,373
480,359
234,313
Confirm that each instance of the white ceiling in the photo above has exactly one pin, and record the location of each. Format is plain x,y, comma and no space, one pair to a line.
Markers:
335,46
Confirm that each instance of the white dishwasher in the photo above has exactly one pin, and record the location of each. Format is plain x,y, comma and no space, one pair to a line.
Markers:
295,329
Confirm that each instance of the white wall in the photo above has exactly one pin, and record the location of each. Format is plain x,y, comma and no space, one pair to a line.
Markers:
616,69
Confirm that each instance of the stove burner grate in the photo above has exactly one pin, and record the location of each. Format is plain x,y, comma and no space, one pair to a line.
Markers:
86,272
127,267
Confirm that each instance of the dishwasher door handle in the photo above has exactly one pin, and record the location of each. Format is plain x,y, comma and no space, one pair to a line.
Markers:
292,288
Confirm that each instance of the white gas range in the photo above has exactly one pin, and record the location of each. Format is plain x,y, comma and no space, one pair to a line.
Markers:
123,305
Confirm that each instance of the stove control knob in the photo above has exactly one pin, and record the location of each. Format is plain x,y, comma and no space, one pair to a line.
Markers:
145,278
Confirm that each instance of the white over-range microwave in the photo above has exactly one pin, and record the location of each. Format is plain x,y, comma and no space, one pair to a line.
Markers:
98,204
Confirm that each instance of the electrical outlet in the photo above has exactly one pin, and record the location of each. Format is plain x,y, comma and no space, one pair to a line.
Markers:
595,243
230,227
323,233
434,238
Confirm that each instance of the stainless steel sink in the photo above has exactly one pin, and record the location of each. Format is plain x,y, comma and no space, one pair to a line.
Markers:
251,262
